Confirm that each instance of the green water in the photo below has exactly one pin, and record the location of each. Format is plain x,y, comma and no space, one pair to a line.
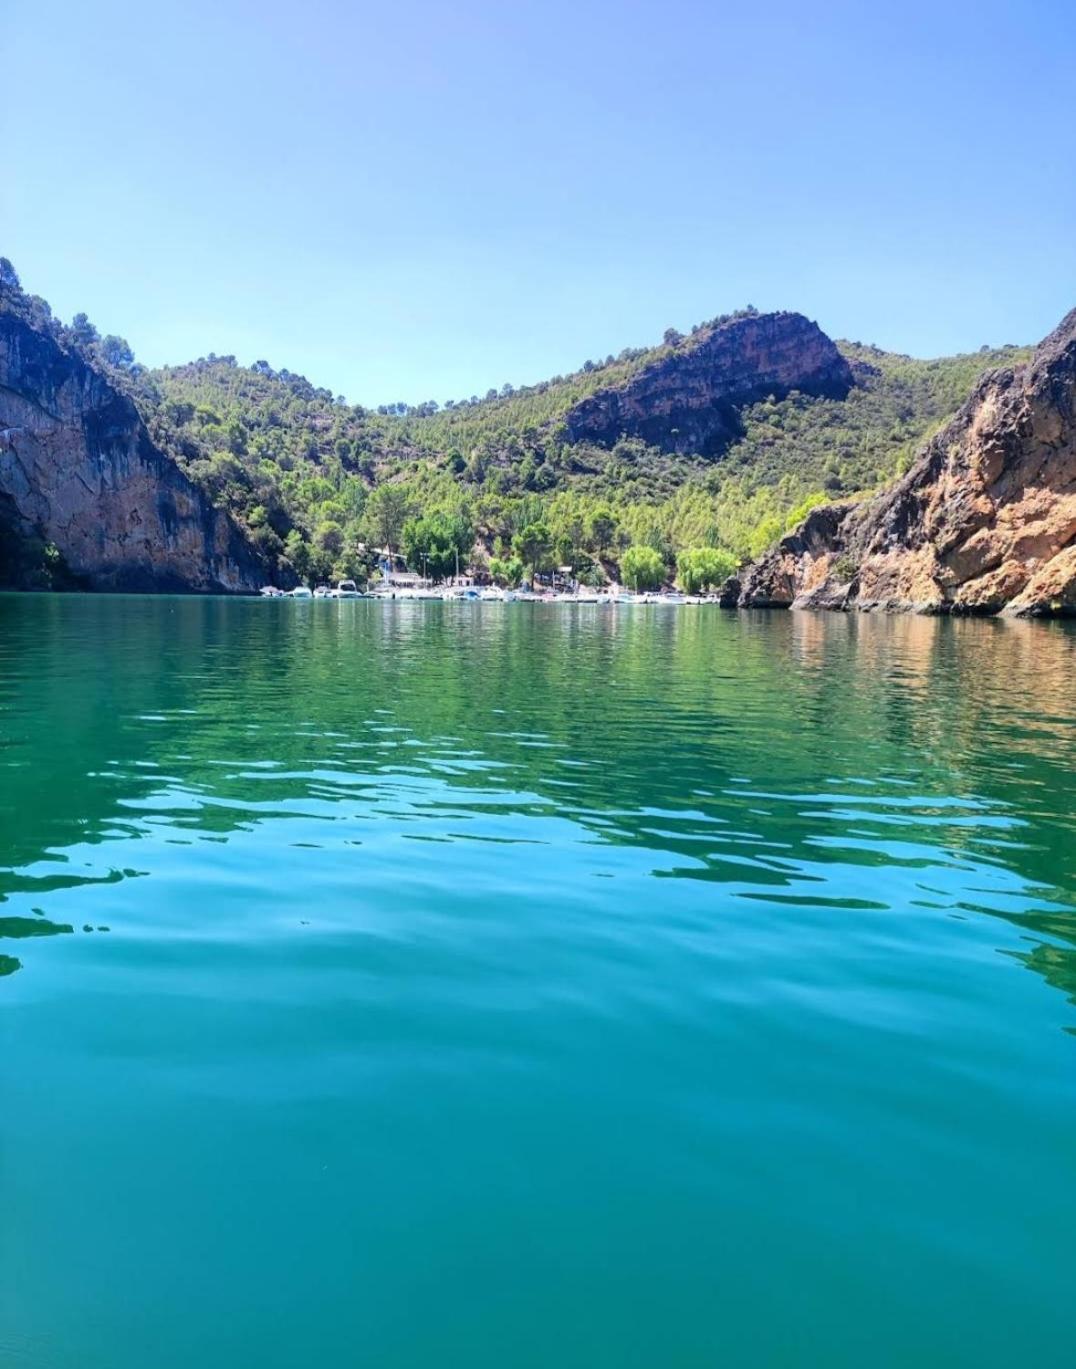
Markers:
520,985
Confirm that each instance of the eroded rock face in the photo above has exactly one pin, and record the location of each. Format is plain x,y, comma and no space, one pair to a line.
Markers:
984,522
689,400
77,465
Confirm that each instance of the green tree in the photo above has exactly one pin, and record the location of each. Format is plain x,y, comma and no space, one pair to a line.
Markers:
764,534
437,542
506,571
83,332
387,510
329,538
117,352
297,550
642,568
700,568
601,529
533,544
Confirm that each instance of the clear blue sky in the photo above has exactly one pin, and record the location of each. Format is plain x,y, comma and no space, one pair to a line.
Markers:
411,200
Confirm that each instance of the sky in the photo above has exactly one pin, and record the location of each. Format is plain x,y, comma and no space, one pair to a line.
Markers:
412,200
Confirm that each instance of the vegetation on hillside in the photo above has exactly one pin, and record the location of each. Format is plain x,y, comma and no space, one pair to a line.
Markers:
298,466
319,484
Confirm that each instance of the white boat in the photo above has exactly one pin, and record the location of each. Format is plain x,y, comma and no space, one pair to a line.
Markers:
322,592
271,592
346,589
301,592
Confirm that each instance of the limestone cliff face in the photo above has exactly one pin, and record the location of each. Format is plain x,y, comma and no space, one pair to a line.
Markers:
688,401
78,466
984,522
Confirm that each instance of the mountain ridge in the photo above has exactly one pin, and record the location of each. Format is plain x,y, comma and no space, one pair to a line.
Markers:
720,437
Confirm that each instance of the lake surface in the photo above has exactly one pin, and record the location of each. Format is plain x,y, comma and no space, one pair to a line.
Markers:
523,985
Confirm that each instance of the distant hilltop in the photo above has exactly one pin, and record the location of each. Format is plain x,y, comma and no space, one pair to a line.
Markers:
212,476
689,399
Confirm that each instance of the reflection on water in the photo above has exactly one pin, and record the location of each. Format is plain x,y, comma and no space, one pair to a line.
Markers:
660,974
766,753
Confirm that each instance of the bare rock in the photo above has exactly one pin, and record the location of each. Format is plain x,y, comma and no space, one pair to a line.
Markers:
78,467
689,400
983,522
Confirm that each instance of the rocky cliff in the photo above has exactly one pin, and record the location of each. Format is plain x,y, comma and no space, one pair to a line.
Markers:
983,522
79,469
688,400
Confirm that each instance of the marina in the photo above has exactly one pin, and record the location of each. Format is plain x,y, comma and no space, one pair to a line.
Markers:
613,597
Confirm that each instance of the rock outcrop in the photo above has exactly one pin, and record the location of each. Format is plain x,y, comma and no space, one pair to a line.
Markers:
983,522
79,469
689,400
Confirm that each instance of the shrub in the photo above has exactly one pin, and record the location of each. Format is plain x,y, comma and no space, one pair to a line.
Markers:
506,571
642,568
700,568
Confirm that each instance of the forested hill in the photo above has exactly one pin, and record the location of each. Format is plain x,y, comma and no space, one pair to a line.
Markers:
294,463
714,438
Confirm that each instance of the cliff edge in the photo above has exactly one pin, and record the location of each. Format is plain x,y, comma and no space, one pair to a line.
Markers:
983,522
78,469
688,400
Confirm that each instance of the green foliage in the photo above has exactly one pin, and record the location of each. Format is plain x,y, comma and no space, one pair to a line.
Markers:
83,333
116,351
701,568
601,527
642,568
438,542
264,439
765,533
794,517
533,545
506,571
318,483
849,445
388,508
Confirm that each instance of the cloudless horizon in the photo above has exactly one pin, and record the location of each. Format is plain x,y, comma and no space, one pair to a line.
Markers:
410,201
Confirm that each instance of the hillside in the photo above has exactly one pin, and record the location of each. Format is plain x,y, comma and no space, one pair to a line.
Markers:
720,437
984,521
292,462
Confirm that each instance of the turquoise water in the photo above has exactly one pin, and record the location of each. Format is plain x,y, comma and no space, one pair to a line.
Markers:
524,985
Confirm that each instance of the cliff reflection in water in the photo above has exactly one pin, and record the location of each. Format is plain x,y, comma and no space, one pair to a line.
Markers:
770,755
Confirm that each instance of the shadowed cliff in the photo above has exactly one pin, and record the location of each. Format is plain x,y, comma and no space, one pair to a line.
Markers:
79,471
689,401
